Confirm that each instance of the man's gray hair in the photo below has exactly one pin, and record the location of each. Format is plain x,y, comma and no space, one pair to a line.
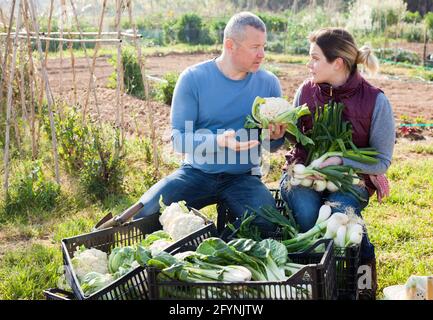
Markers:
235,28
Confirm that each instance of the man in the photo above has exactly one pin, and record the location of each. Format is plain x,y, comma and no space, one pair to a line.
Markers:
210,103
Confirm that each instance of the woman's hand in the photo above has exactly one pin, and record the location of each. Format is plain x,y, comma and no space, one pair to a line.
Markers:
331,161
276,130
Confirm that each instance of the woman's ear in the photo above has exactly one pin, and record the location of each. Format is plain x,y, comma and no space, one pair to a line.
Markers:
338,64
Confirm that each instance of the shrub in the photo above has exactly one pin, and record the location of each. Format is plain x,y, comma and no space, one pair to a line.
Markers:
104,165
31,191
165,89
274,23
412,17
191,29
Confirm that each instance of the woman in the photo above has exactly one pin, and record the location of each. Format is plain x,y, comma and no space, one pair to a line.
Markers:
334,58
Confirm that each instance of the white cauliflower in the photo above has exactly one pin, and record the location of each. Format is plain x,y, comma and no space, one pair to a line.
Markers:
159,245
183,224
272,107
88,260
170,212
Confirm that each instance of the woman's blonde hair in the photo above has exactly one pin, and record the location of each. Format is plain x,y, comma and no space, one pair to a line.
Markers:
339,43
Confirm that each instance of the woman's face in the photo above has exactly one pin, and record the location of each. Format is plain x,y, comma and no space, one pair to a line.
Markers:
320,69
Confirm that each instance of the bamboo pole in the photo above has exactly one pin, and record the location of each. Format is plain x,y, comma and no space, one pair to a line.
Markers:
9,100
146,92
16,128
73,73
6,54
47,91
119,82
32,84
87,56
73,40
62,16
70,34
22,86
47,45
92,69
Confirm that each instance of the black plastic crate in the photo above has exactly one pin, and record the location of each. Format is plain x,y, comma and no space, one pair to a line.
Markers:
58,294
134,284
225,217
315,281
347,262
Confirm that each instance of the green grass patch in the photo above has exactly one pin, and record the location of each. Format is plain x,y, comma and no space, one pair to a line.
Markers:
25,273
401,228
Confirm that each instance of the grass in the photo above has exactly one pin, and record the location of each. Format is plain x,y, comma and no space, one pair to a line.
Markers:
400,228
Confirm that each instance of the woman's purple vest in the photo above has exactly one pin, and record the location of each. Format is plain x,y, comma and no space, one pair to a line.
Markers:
359,99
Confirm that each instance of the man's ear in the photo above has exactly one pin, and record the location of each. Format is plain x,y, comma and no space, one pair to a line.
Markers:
229,44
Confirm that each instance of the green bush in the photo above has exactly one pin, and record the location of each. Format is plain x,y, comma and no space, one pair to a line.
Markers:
72,138
398,55
132,79
274,23
31,191
412,17
413,32
104,165
191,29
165,89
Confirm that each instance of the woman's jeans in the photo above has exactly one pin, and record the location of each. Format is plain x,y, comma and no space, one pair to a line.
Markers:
306,202
238,192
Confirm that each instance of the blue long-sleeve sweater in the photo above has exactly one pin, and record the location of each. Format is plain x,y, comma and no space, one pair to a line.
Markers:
206,103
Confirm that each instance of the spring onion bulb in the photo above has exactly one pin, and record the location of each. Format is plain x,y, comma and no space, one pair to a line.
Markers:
299,169
340,237
331,187
306,182
324,213
319,185
294,181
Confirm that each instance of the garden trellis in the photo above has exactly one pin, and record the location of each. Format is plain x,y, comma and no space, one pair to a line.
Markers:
23,33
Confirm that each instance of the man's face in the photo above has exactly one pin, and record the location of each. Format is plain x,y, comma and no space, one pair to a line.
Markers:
248,54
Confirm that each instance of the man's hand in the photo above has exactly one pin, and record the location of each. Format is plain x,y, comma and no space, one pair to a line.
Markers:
227,139
276,130
331,161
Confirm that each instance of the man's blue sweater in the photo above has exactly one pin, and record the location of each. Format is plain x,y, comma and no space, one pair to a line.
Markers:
206,103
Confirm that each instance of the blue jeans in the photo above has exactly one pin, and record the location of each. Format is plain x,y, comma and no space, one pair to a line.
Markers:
306,202
238,192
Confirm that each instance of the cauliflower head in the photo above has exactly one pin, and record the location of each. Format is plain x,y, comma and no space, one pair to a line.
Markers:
274,107
183,224
170,213
88,260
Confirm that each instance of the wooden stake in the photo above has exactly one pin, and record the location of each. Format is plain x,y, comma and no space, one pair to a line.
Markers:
146,93
91,80
119,84
47,45
62,16
48,92
92,69
9,99
71,50
5,59
16,128
22,86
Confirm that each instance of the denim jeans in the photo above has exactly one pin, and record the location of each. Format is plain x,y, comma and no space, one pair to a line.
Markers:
238,192
306,202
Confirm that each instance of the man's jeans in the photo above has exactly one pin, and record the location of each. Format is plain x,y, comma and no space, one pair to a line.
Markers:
306,202
238,192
